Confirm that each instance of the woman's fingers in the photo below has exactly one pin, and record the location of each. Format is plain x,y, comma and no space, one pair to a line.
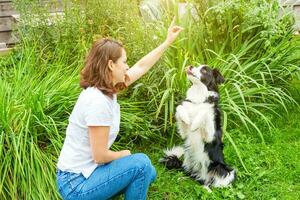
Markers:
176,29
173,22
173,31
173,27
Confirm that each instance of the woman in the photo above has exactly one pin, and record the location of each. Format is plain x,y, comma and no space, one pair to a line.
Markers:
86,168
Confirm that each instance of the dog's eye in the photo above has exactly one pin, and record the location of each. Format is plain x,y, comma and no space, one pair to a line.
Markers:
203,70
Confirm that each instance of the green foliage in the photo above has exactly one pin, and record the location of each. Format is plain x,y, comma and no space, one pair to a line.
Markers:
249,42
273,167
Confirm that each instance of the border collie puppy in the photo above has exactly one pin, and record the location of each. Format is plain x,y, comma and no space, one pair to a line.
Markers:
198,119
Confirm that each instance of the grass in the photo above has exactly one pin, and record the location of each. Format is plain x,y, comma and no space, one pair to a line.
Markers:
274,167
252,46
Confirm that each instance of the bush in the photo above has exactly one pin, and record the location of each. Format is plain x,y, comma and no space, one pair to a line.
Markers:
248,41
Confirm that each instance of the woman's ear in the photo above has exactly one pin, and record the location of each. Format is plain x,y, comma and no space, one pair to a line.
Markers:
110,65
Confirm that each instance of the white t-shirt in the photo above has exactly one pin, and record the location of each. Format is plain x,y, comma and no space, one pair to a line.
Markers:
92,108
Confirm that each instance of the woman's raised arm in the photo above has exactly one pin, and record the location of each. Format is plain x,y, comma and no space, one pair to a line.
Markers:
144,64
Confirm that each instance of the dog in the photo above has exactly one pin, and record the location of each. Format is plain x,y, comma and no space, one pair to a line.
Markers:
198,120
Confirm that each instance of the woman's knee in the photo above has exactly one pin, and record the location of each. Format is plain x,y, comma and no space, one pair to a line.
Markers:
142,161
153,174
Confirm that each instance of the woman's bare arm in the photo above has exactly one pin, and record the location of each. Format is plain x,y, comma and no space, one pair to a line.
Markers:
144,64
99,139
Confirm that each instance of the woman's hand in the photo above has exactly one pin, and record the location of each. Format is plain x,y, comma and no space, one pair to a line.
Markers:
173,32
125,153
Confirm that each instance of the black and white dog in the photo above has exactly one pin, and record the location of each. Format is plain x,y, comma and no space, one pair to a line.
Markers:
199,124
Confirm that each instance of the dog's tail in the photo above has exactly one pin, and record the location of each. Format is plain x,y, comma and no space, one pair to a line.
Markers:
220,174
172,156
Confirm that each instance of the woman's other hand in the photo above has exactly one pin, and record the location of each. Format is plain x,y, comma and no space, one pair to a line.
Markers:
125,153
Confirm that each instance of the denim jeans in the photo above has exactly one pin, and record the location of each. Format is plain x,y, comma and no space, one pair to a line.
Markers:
130,175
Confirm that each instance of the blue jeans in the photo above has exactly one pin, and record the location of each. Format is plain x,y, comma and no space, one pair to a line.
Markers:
130,175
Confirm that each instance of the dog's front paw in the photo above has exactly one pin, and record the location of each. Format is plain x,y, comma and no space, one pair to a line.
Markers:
194,126
182,115
198,121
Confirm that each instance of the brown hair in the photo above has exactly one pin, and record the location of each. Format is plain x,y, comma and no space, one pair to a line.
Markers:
96,72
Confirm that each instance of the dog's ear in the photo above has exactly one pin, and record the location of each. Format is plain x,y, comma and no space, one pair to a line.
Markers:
218,76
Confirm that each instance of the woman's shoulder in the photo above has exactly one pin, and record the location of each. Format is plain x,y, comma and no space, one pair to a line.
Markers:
93,94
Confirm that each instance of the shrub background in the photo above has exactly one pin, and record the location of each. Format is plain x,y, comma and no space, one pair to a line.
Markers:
249,41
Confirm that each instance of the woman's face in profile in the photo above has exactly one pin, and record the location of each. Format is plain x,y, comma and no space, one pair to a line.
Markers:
119,68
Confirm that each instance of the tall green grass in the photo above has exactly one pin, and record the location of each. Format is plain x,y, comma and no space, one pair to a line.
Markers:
252,46
254,65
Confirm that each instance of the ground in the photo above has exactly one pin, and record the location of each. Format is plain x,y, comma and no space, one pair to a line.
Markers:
274,168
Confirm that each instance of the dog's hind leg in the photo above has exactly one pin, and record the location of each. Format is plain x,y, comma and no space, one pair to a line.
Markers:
221,174
172,157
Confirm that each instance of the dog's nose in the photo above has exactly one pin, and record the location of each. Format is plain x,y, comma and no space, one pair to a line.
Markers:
189,70
189,67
